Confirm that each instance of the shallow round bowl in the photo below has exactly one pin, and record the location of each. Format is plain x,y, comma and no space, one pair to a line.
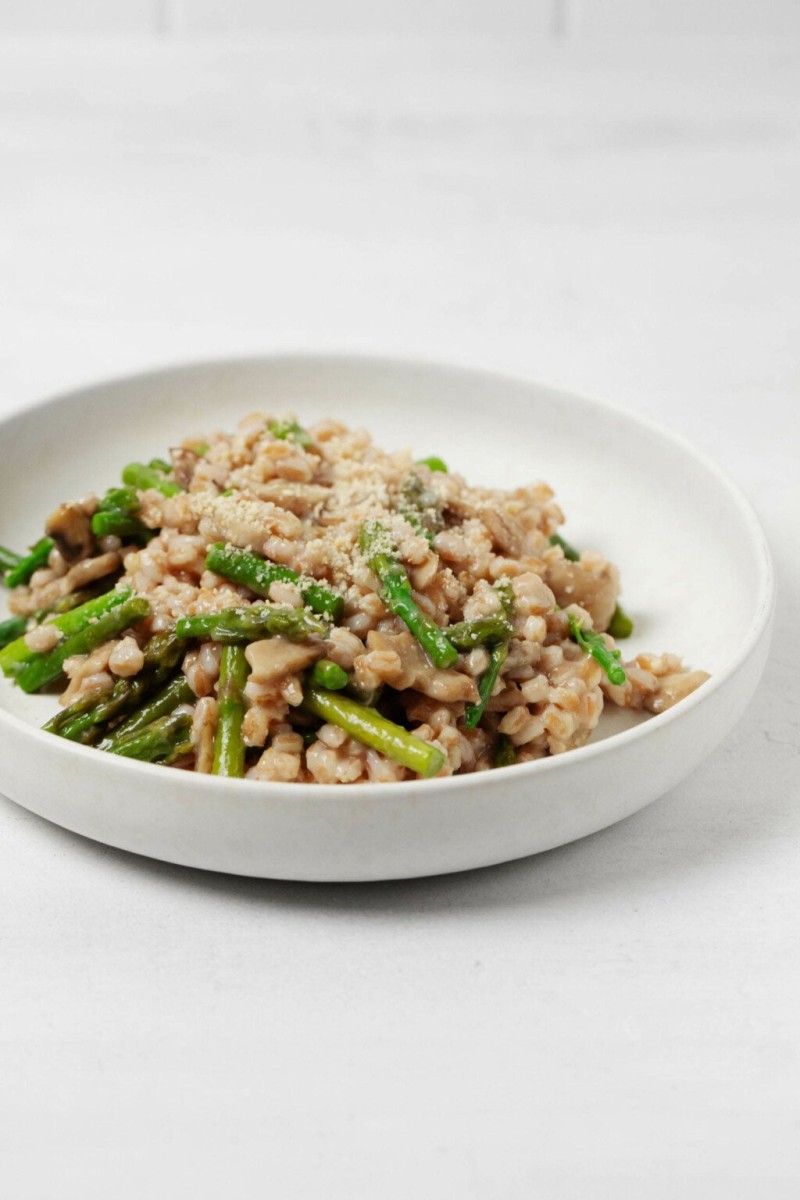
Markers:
695,567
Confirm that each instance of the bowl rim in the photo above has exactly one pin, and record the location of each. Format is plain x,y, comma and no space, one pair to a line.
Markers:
264,789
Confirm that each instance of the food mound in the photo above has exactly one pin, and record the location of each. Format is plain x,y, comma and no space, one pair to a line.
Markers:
297,604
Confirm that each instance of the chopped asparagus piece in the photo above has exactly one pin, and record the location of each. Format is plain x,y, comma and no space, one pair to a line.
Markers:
176,692
252,624
17,653
369,727
620,625
12,629
290,431
433,464
42,669
594,644
258,574
497,656
466,635
26,566
397,595
84,720
142,477
161,739
8,560
229,748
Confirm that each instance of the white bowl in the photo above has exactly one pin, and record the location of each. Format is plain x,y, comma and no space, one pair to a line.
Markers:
697,579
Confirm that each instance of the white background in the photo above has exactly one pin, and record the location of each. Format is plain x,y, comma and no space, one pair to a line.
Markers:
607,197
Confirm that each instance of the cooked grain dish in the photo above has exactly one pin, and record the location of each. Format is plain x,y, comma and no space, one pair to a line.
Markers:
299,605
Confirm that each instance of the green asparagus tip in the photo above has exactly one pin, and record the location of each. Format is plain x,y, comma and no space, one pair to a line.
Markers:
290,431
371,729
594,644
433,464
621,625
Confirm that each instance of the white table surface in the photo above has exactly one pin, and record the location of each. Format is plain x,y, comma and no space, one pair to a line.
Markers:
617,1018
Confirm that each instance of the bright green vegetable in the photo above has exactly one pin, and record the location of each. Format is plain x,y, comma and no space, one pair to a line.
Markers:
252,624
8,560
497,656
142,477
620,626
22,571
569,551
42,669
396,594
433,464
498,653
84,720
327,674
12,629
162,740
594,644
119,524
369,727
290,431
466,635
16,654
176,692
229,748
258,574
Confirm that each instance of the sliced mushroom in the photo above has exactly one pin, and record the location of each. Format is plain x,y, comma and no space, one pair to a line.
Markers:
408,667
70,527
273,658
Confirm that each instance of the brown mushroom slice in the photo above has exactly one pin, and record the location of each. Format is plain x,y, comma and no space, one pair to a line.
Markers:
506,532
70,527
274,658
410,668
592,582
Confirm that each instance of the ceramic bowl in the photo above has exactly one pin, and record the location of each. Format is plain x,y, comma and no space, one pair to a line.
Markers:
695,567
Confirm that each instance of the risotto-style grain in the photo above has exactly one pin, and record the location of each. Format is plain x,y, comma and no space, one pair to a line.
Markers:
292,604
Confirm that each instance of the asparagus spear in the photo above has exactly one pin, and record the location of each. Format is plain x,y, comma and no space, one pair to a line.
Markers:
17,653
369,727
594,644
164,739
176,692
258,574
84,720
251,624
290,431
8,560
397,595
433,464
498,653
228,745
620,625
466,635
327,674
497,656
26,566
569,551
11,629
116,514
142,477
42,669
